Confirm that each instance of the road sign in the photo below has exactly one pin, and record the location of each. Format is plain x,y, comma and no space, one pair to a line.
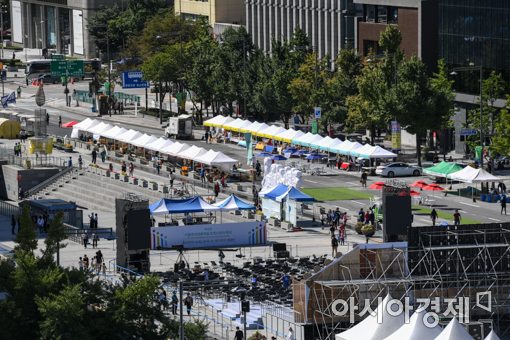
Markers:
72,68
468,132
134,80
317,112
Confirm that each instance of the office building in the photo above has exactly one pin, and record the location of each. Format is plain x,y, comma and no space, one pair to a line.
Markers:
328,23
220,14
57,25
416,20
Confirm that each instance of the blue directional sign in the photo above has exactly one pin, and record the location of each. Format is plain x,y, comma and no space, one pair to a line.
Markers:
468,132
317,112
134,80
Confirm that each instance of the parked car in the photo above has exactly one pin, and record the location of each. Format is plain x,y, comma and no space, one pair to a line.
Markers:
398,169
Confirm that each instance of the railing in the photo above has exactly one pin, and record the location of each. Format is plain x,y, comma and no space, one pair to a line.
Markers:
39,161
8,209
44,184
74,234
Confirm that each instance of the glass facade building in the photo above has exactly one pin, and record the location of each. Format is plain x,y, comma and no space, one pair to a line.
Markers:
477,32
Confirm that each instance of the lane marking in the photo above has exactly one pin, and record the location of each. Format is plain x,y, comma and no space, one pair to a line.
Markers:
358,202
307,180
471,205
493,219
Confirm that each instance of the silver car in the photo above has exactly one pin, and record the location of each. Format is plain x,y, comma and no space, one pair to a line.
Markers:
398,169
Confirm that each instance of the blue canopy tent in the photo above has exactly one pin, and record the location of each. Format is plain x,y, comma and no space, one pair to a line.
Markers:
315,156
297,195
284,202
278,158
275,192
233,202
173,206
264,154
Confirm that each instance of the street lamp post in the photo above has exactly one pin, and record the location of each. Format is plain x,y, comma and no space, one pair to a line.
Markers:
480,69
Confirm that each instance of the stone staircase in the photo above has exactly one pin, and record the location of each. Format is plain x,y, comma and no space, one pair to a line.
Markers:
94,190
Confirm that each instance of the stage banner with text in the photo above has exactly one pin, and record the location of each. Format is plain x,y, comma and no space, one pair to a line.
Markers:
202,236
396,136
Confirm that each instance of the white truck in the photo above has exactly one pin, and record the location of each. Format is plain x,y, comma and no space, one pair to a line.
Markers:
180,127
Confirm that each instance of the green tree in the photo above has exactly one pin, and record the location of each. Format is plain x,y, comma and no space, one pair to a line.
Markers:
62,315
26,237
56,234
367,109
501,139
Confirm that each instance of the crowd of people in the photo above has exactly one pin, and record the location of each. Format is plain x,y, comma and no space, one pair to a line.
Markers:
95,265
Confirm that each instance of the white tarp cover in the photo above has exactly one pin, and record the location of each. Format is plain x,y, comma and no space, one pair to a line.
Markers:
472,175
114,132
192,152
303,139
215,158
218,121
454,331
143,140
175,149
159,144
129,136
492,336
100,128
375,152
370,329
416,329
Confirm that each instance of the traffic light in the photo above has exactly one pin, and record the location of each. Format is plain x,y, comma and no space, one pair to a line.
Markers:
245,306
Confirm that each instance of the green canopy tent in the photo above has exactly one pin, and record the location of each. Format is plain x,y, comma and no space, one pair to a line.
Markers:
443,169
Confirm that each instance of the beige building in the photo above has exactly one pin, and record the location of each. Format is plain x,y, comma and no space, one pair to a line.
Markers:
216,11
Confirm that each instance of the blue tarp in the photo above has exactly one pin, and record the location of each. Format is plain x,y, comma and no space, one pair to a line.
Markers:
277,191
297,195
282,191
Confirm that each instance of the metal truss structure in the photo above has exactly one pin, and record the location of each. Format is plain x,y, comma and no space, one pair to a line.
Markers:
457,264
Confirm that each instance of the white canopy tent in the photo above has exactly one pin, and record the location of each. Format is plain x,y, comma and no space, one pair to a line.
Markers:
288,135
334,147
416,329
375,152
100,128
175,149
303,139
325,143
218,121
158,144
492,336
370,329
192,152
129,136
454,331
236,124
143,140
272,131
114,132
85,124
215,158
349,148
472,175
314,141
254,127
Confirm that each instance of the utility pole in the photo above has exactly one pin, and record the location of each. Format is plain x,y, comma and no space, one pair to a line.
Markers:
181,320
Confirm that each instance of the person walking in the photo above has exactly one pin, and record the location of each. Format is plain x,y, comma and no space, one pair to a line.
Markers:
158,166
503,204
206,137
85,262
239,334
94,156
334,246
216,189
85,240
13,225
202,175
99,260
80,162
103,156
290,335
363,179
59,121
95,238
70,162
131,169
456,217
171,177
342,236
188,302
80,263
433,216
175,301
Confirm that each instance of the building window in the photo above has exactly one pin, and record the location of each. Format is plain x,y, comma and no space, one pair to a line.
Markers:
392,14
382,14
371,13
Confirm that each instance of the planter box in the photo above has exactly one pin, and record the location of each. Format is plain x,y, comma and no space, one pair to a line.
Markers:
165,189
286,226
248,214
143,183
116,176
259,218
239,187
108,173
153,186
125,179
274,222
133,180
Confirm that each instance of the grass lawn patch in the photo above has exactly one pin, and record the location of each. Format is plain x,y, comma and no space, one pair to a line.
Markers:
444,215
336,194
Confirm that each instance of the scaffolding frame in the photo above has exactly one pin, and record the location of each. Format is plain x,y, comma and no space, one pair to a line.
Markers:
448,263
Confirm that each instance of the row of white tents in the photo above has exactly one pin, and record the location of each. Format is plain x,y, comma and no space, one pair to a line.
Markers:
152,143
392,326
300,138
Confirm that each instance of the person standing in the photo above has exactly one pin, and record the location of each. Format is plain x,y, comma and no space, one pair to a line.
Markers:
94,240
85,262
290,335
342,236
158,166
433,216
94,156
175,301
456,217
188,302
171,176
99,260
13,225
70,162
216,189
85,240
96,221
503,204
239,334
334,246
202,175
103,156
80,162
80,264
59,121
